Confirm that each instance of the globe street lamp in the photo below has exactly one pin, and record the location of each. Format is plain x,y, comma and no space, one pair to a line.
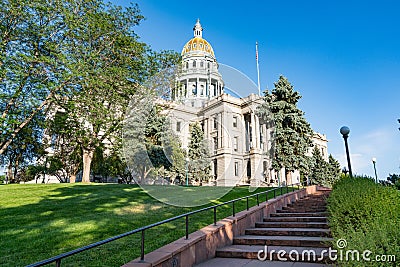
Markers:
345,132
374,162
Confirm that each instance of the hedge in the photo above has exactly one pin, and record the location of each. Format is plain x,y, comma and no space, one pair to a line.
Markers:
367,216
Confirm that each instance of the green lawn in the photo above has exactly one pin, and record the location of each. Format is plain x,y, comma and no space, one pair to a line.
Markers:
41,221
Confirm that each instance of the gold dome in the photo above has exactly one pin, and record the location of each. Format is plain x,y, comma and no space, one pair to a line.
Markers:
197,44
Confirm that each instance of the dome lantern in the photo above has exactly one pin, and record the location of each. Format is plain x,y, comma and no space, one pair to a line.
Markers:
197,29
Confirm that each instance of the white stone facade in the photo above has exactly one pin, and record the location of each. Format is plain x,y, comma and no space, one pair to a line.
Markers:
240,144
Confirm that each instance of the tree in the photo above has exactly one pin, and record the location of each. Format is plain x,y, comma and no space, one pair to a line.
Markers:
107,57
292,132
333,171
176,155
24,150
66,157
319,166
394,179
199,164
150,147
34,45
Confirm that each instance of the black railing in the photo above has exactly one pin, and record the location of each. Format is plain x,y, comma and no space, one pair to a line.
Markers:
57,259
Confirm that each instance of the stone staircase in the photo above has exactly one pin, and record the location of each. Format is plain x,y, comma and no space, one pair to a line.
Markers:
299,229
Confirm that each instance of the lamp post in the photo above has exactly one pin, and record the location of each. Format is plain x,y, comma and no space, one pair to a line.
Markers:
187,170
345,132
374,162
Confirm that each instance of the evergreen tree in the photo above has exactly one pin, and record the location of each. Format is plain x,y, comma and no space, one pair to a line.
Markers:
292,132
176,155
333,173
318,174
150,147
199,165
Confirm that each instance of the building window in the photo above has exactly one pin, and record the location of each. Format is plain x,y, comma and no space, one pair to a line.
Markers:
201,64
194,90
187,65
235,143
194,45
215,122
178,126
208,64
194,63
215,141
236,168
235,121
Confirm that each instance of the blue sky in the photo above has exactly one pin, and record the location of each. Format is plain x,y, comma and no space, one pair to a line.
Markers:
342,56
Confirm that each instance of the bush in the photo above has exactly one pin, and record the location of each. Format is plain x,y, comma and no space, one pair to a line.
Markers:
367,216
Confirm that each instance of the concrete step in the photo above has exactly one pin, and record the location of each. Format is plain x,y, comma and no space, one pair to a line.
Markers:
298,254
295,241
287,210
293,224
299,214
289,232
296,219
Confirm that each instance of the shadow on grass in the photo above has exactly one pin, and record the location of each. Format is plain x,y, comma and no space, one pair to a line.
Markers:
41,221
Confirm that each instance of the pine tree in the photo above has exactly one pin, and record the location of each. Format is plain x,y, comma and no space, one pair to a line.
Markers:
318,174
292,132
199,165
333,173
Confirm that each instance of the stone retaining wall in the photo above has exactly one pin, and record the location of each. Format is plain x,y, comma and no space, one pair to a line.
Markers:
203,243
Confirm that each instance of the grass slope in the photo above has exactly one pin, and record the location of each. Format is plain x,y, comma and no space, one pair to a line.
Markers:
41,221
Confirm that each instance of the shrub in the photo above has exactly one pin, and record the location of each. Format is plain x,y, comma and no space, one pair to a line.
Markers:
367,216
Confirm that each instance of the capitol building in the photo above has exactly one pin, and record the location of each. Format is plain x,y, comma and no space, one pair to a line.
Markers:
240,143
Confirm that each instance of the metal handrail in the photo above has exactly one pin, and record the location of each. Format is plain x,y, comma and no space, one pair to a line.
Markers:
57,259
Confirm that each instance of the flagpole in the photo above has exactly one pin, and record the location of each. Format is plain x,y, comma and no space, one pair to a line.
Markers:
258,70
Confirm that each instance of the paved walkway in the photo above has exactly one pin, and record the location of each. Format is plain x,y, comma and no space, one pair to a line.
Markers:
301,227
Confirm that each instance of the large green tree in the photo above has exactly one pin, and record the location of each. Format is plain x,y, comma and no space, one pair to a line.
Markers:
81,56
150,148
292,132
35,36
199,156
107,58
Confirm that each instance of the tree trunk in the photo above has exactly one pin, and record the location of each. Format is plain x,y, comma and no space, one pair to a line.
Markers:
289,178
9,174
72,178
74,171
87,161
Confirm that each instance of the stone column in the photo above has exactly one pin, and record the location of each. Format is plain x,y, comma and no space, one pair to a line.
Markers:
187,88
257,131
197,87
253,137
